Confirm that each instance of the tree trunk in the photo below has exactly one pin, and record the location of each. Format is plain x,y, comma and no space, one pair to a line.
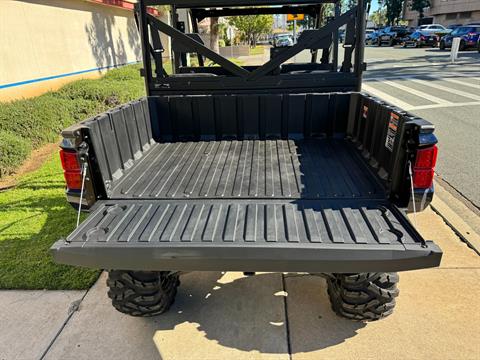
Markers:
214,34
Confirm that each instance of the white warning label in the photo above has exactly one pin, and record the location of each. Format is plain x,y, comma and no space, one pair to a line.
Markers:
392,131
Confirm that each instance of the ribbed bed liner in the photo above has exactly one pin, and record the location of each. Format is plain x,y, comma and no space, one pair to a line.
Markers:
309,169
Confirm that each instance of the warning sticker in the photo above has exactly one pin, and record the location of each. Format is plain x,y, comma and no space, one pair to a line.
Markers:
392,131
365,111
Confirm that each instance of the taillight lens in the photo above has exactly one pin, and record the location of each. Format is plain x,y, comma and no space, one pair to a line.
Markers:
73,180
422,37
422,179
70,160
71,169
426,158
423,170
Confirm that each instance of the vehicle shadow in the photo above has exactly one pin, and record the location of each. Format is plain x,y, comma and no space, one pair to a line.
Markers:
248,313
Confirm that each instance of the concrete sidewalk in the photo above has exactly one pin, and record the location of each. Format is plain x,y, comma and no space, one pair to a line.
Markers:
229,316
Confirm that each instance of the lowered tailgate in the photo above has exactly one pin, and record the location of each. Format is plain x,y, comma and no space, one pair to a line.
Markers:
247,235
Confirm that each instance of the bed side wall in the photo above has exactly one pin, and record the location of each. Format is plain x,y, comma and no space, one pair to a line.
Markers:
217,117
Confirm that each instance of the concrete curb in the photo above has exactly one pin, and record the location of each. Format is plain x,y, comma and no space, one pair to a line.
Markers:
463,220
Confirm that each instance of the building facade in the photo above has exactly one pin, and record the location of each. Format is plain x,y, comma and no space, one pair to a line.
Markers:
445,12
47,43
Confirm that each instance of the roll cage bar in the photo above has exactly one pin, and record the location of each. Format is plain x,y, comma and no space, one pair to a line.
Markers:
273,76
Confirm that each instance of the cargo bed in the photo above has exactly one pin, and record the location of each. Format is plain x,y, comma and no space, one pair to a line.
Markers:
296,196
313,168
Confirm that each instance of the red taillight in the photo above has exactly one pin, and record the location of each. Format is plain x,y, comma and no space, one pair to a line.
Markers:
422,178
70,160
73,180
426,158
422,37
423,170
72,169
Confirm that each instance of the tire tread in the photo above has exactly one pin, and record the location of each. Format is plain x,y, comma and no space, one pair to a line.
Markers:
363,296
142,293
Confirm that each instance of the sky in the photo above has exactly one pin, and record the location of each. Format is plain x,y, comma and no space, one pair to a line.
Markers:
374,6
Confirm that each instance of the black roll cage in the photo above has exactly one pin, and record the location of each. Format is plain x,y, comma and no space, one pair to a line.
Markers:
273,76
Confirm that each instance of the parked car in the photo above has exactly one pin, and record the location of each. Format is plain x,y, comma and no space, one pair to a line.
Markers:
469,36
435,29
283,40
453,26
372,38
393,35
419,39
368,33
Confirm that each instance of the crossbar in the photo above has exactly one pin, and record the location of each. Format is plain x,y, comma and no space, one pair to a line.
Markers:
228,3
196,46
201,14
305,43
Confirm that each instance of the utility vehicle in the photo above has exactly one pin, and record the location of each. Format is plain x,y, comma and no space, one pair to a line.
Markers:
281,167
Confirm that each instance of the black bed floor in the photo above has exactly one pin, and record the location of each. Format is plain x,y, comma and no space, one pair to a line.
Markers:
308,169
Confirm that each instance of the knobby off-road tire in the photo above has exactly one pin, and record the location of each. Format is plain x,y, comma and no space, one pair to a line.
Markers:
364,296
142,293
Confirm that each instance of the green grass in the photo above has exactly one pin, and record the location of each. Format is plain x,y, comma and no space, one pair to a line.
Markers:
257,50
33,216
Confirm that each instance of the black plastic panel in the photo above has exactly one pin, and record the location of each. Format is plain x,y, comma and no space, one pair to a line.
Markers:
301,235
176,118
312,168
369,123
120,137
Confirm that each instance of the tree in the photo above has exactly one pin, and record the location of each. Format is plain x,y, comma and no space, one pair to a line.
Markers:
252,26
379,17
394,9
419,5
214,34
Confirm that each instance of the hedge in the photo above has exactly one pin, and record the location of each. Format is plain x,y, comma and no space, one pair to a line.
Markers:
13,150
29,123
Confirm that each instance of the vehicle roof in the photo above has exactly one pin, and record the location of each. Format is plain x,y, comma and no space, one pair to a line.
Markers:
467,27
234,3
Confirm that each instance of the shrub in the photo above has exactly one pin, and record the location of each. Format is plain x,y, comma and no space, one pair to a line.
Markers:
13,151
107,93
131,72
40,120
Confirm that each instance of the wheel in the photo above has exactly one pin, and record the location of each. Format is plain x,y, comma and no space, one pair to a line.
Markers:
379,43
390,42
478,46
364,296
461,47
142,293
442,45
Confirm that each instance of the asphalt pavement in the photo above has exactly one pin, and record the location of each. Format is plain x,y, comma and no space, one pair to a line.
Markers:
425,83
